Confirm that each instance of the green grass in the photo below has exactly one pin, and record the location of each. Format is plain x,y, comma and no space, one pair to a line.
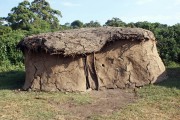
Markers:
155,102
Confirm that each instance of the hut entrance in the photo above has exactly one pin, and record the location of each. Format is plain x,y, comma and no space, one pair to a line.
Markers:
86,71
90,72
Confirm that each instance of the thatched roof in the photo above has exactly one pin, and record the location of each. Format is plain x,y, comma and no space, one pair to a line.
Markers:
82,41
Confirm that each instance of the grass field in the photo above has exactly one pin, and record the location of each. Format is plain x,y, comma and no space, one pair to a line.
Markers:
153,102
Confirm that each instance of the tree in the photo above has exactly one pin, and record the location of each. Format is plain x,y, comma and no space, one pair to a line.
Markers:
26,15
39,26
65,26
21,17
92,24
145,25
77,24
115,22
176,29
42,9
131,25
8,43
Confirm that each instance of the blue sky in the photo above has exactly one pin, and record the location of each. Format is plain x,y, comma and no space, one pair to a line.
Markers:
163,11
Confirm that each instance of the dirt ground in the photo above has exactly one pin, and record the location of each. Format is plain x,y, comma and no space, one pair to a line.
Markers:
104,103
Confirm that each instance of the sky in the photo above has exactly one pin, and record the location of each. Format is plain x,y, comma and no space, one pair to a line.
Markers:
162,11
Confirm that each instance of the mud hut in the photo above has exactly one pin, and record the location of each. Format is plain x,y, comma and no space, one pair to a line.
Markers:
96,58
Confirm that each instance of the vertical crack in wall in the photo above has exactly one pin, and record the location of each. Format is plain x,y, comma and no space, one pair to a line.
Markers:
92,72
152,48
95,72
57,86
149,73
148,68
40,83
129,79
34,75
86,72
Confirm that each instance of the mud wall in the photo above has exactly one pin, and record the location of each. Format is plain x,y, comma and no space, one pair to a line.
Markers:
119,64
129,64
52,73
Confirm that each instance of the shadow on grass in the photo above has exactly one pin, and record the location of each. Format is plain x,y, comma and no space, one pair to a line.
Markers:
173,80
12,80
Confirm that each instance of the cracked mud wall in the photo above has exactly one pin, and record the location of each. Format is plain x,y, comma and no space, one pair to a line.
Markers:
129,64
119,64
54,73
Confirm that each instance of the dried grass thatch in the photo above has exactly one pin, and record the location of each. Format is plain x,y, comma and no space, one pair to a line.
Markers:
82,41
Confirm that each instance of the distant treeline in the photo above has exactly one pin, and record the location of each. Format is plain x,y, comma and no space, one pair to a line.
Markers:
37,17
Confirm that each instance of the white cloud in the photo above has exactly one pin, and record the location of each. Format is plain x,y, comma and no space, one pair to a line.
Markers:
69,4
142,2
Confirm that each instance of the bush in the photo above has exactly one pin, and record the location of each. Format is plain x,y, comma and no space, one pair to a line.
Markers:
8,49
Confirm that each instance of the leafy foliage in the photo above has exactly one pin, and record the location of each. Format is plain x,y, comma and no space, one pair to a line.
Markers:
28,15
115,22
42,9
8,49
5,29
21,17
66,26
77,24
92,24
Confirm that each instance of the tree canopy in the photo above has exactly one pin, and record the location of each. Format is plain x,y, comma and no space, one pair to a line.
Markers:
26,15
115,22
42,9
92,24
21,17
77,24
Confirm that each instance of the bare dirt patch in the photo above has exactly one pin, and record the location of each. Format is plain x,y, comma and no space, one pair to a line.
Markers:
103,103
